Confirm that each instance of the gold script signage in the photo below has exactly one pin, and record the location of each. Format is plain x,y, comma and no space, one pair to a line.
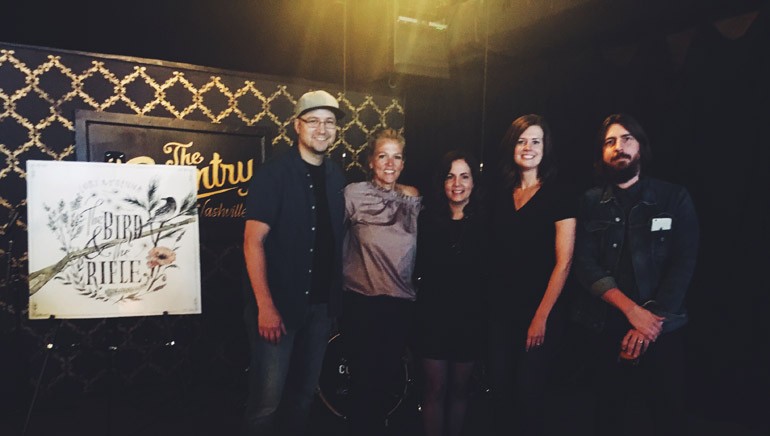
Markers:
225,156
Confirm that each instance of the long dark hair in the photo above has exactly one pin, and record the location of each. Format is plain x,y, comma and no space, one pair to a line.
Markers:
510,173
440,202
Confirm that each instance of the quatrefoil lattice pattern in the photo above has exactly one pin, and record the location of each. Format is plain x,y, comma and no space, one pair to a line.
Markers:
40,90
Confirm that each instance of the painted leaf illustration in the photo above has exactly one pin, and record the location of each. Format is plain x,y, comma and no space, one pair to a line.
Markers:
136,202
189,205
152,194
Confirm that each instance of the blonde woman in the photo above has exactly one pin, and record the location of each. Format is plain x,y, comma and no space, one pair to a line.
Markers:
378,261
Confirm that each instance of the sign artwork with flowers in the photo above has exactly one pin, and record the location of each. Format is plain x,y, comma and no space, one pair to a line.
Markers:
112,240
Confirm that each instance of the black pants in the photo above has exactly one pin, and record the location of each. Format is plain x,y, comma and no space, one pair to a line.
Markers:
658,379
375,331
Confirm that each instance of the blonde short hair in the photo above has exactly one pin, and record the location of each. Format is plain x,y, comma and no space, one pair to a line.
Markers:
384,133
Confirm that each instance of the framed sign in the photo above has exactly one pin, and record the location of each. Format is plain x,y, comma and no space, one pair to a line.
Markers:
225,157
109,240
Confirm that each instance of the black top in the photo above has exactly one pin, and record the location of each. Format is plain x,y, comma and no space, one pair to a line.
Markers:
323,248
523,249
451,289
450,263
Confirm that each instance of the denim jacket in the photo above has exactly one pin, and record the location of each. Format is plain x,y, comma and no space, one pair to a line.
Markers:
663,238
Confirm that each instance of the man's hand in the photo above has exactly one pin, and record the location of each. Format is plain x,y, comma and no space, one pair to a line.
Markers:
645,322
271,326
634,343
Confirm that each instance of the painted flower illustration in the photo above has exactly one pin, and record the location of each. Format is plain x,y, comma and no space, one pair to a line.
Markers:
159,256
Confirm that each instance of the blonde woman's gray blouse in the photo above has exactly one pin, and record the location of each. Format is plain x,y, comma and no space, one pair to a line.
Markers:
380,241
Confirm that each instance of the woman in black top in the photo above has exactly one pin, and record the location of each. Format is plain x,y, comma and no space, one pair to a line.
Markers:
450,245
533,229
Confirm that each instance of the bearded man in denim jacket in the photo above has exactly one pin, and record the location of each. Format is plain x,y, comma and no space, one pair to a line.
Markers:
636,244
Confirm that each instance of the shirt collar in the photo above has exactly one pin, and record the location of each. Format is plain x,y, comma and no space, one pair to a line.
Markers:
647,196
299,164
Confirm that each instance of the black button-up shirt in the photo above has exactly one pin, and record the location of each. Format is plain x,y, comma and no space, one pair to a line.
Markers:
281,196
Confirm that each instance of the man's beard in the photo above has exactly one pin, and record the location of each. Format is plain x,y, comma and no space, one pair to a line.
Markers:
619,175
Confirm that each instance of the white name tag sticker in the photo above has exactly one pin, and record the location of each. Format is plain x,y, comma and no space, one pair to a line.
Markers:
659,224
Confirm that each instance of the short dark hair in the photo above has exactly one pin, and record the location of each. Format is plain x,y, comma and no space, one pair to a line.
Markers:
509,171
439,177
634,128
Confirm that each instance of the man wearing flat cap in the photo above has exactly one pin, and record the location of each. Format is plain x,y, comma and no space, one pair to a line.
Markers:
292,247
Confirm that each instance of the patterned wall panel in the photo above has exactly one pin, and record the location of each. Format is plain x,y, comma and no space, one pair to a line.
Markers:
40,89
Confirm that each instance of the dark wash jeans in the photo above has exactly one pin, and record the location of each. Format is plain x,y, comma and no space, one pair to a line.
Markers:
282,378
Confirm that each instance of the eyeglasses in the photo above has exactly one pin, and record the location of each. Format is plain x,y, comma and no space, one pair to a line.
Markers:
315,123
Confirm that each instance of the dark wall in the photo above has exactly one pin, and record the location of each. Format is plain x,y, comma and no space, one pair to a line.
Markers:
298,39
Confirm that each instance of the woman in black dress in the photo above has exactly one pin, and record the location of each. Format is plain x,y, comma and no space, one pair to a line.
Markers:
533,228
450,245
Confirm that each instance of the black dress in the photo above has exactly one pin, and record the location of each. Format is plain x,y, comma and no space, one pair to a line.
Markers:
523,256
524,251
450,322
